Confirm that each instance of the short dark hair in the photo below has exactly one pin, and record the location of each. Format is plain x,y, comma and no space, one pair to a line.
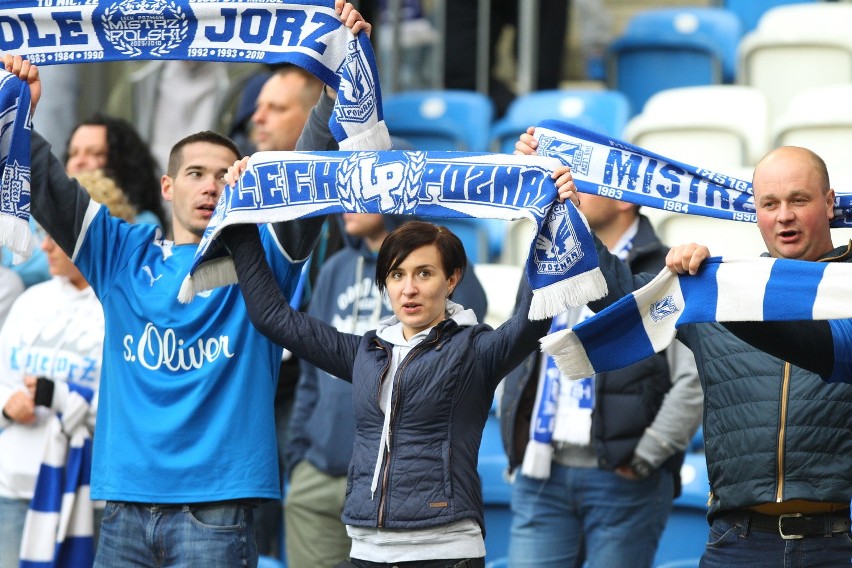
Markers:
208,136
129,163
413,235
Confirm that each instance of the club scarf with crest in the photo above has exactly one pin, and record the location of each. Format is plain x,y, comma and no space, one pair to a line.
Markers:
280,186
15,165
306,33
645,322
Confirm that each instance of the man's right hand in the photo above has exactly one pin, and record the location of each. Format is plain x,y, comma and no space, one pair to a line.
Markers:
686,258
26,71
20,408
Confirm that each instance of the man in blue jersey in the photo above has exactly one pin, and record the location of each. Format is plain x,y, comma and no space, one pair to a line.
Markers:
186,436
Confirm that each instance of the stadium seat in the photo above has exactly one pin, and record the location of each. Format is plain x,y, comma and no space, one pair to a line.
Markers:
496,491
709,126
673,47
820,119
500,282
603,111
685,535
516,244
797,47
750,11
440,120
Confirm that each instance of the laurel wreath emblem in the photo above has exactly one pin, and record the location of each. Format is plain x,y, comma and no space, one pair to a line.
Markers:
345,192
412,177
125,48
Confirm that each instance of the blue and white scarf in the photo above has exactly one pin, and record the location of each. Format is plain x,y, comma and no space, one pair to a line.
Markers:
58,531
281,186
646,321
15,165
606,166
306,33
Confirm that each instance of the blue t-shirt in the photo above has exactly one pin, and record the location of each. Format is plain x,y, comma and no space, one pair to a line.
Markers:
186,396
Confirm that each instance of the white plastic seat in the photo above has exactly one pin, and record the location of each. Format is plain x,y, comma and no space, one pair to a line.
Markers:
707,126
820,119
796,47
500,282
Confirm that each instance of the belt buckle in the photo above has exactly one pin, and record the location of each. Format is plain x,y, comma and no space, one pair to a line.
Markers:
781,531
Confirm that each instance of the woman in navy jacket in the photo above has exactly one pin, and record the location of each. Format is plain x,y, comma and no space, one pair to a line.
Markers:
423,383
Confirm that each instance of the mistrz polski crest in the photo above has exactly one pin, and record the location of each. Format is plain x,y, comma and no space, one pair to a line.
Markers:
557,248
571,154
355,99
368,184
137,27
663,308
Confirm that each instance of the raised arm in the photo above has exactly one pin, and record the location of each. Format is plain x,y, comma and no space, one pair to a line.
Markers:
58,203
308,338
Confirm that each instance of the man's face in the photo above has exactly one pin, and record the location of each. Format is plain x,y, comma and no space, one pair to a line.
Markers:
87,150
599,211
280,115
793,207
195,188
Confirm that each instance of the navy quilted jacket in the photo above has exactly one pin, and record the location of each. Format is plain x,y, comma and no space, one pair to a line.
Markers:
443,392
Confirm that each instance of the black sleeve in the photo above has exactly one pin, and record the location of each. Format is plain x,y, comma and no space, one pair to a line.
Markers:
806,344
58,202
308,338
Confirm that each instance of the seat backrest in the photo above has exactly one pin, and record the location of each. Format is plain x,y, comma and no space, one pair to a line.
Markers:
707,126
796,47
440,119
500,282
820,119
673,47
599,110
750,11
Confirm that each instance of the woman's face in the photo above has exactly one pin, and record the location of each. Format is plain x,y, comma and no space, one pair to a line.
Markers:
418,290
87,150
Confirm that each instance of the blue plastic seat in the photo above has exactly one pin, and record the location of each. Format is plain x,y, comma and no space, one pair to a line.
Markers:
673,47
606,112
683,540
440,119
750,11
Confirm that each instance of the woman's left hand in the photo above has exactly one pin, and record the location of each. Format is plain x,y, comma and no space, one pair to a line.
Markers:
565,185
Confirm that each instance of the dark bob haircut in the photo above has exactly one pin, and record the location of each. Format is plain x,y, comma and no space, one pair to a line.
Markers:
410,236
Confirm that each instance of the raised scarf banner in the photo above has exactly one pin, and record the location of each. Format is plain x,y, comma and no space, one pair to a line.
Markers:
15,165
59,527
280,186
307,34
646,321
606,166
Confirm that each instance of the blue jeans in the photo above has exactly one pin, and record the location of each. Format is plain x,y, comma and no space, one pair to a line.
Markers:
733,544
13,512
213,535
587,514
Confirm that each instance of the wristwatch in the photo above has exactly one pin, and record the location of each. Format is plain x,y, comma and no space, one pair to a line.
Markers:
641,467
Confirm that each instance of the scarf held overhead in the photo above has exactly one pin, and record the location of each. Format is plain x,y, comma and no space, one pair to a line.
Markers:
562,266
15,165
646,321
307,34
605,166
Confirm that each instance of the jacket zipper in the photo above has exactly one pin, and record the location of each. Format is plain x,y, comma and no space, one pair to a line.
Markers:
394,404
782,433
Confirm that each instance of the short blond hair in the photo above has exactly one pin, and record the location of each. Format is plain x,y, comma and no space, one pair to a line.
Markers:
105,191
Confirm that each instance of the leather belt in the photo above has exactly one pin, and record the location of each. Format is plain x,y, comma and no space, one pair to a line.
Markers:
793,525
